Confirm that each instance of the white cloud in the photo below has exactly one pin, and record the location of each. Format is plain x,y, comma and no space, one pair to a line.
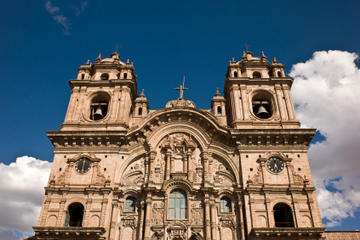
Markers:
326,90
59,18
63,21
22,190
81,8
50,8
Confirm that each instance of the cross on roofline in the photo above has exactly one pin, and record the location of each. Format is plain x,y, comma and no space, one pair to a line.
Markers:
181,88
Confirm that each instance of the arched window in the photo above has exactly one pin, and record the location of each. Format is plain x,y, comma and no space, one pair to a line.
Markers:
177,205
256,75
283,215
125,75
279,74
140,111
225,205
235,74
118,76
104,76
130,204
82,76
74,215
219,111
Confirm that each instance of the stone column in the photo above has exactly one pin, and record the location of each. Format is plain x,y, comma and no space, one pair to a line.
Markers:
147,234
168,157
207,218
151,160
213,221
205,161
241,217
289,102
141,219
114,227
244,102
188,157
280,103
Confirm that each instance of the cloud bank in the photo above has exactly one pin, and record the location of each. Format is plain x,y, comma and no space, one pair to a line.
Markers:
22,190
326,92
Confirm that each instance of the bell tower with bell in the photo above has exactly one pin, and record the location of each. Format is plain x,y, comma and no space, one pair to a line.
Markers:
258,94
103,95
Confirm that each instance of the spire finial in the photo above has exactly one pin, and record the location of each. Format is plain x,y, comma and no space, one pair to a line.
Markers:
244,54
217,92
142,94
274,60
98,59
88,62
263,54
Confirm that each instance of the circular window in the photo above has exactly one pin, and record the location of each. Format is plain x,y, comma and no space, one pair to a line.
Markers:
275,164
83,165
261,105
99,106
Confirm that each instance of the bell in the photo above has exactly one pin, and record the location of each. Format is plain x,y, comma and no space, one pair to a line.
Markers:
262,113
98,113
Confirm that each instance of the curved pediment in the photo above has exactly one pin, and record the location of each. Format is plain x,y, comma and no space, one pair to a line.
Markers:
200,121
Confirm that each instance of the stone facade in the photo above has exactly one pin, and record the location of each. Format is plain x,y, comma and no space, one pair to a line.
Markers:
123,171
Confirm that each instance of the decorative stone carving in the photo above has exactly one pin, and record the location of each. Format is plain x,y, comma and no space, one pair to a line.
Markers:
134,173
158,213
197,213
129,221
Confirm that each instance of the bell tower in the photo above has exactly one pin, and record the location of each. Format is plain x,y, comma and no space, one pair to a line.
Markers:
102,95
258,94
279,200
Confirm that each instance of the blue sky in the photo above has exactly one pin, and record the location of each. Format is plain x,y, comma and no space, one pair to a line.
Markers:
43,43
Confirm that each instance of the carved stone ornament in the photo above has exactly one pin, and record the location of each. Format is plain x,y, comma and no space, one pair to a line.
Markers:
177,231
227,222
158,213
196,214
129,221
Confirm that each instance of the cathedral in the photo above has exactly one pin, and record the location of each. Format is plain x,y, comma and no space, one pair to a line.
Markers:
236,171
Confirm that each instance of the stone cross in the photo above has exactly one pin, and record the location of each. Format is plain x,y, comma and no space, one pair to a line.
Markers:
181,88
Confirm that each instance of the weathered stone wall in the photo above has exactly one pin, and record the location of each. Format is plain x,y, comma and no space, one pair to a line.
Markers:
342,235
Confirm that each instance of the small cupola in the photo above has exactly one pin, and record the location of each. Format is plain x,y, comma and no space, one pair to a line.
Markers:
218,107
84,71
141,106
277,69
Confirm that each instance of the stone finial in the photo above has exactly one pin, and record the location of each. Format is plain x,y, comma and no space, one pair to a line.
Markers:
98,59
142,94
127,61
244,54
88,62
274,60
217,92
233,60
263,55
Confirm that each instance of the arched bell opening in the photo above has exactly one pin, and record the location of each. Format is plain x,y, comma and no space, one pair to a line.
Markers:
283,215
262,105
99,106
74,215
